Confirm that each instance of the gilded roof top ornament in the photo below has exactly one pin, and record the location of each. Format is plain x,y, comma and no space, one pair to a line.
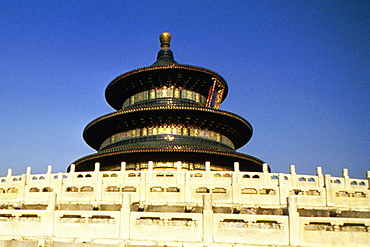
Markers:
165,55
165,39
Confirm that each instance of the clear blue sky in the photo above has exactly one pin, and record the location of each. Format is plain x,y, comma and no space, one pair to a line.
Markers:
298,71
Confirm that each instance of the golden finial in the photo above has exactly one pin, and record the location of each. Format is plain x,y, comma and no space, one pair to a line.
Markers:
165,39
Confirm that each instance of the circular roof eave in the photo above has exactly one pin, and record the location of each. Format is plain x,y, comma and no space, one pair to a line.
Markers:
103,127
247,162
116,91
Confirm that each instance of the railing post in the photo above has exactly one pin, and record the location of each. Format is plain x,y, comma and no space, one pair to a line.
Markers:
28,174
265,170
98,190
71,175
48,175
123,166
150,172
282,188
125,216
236,167
346,178
320,177
48,219
97,167
328,190
208,172
179,176
293,176
207,219
235,183
122,173
293,218
9,177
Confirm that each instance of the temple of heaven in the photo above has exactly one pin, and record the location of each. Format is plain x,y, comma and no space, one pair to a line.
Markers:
168,113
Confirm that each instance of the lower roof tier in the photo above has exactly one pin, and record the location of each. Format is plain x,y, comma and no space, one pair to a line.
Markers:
234,127
222,159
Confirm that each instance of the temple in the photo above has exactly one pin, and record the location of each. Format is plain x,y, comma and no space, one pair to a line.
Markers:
166,173
168,113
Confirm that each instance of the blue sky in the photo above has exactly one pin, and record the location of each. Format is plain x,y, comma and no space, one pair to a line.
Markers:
298,71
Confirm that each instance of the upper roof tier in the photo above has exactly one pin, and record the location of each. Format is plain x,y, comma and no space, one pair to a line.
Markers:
165,72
